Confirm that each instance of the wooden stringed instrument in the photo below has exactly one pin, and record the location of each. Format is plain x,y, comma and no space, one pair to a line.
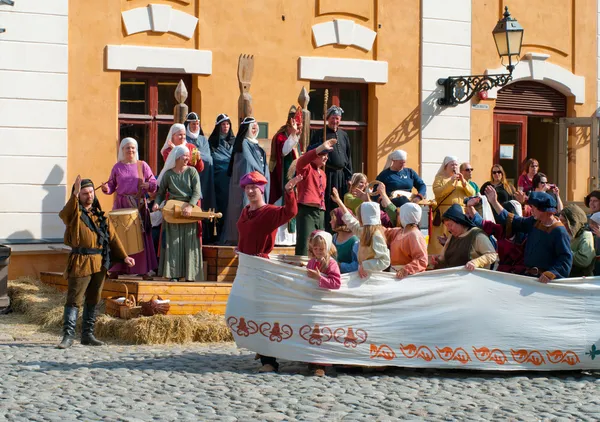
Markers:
172,213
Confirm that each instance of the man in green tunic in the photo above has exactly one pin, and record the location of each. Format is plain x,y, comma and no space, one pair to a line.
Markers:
180,252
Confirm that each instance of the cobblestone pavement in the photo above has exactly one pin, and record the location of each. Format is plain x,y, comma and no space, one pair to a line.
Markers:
219,382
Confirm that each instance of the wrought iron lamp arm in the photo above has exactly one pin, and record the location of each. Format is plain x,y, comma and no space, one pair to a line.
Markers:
460,89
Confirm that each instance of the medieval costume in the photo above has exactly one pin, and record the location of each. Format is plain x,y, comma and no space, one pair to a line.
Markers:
94,246
181,252
257,229
472,246
403,180
339,167
582,242
548,248
221,145
408,249
195,160
284,150
125,179
347,246
247,156
447,192
207,182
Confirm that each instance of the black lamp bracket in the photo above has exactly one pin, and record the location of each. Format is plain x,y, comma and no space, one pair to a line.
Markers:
460,89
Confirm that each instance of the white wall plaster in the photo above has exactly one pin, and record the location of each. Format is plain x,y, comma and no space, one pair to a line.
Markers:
536,67
343,70
33,121
158,59
343,32
446,51
159,18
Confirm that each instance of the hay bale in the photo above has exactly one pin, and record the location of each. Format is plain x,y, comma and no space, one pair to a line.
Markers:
43,305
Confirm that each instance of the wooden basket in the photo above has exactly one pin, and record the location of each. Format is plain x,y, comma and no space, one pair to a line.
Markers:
152,307
126,310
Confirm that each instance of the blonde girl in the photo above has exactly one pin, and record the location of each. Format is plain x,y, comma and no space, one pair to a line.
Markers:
373,254
357,193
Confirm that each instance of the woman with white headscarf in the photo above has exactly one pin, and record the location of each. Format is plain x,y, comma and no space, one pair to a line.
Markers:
131,179
397,177
449,187
180,252
177,136
247,156
408,248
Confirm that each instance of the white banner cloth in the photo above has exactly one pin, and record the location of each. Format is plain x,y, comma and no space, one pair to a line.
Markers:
446,318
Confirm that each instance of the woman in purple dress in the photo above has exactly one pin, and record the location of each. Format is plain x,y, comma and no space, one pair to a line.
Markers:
125,180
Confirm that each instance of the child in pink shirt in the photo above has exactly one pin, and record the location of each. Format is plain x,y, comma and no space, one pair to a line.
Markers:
324,269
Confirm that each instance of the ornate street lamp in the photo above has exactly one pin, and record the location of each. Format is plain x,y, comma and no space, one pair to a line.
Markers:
508,36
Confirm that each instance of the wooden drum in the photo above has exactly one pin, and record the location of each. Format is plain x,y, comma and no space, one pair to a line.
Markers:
128,225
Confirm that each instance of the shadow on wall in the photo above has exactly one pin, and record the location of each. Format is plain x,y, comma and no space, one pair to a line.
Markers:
411,126
51,229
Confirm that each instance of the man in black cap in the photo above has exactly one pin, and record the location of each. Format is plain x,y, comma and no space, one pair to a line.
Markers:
339,166
468,245
548,253
93,243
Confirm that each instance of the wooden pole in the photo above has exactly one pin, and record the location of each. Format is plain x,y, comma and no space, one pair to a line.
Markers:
245,72
303,100
325,99
180,111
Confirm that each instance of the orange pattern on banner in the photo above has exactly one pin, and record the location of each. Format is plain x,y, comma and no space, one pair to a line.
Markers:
315,336
448,353
383,351
350,338
275,332
423,352
242,328
558,356
483,354
533,356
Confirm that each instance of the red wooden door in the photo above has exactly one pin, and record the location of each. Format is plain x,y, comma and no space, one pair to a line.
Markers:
510,143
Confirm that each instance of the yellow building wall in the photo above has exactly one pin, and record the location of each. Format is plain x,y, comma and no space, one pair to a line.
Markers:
566,30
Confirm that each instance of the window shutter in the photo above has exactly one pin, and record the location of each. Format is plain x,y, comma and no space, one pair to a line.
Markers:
533,97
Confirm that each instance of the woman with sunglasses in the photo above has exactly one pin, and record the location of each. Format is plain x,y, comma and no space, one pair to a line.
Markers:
525,182
540,184
505,190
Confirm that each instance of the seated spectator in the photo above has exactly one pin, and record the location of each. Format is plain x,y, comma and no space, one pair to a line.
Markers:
540,184
594,221
547,251
467,171
505,190
408,249
467,245
592,201
582,241
345,242
525,182
510,246
398,177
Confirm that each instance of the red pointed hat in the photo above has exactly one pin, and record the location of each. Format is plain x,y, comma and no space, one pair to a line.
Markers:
253,178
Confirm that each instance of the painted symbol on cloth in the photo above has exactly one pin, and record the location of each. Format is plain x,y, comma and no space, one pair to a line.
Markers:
448,353
593,352
383,351
558,356
523,356
317,335
276,333
350,338
423,352
484,354
242,328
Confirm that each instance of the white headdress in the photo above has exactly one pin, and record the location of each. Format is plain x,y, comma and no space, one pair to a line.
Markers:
174,129
410,213
127,141
326,237
370,213
447,160
396,155
177,152
595,217
518,207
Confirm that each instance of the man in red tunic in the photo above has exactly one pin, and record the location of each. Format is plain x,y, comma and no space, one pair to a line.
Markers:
258,225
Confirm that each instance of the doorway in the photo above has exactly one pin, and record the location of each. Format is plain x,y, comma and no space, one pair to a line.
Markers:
527,125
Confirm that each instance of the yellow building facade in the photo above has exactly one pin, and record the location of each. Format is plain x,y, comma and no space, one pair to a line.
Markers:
379,59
